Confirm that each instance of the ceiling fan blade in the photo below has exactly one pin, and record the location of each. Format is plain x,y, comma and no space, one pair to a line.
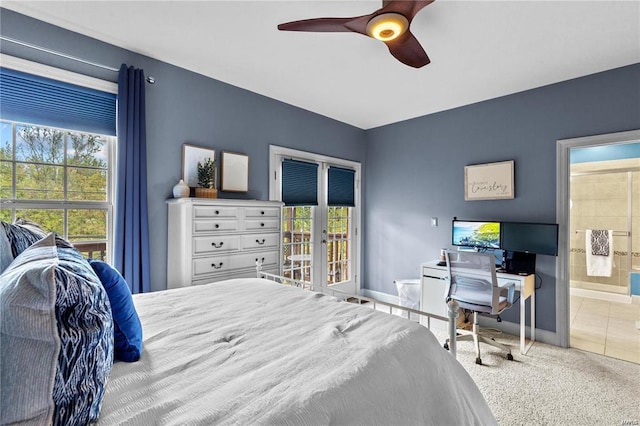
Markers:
320,25
407,50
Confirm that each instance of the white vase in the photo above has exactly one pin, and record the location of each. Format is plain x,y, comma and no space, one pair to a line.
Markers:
181,190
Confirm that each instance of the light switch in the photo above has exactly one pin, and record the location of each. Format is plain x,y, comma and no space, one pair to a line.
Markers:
434,222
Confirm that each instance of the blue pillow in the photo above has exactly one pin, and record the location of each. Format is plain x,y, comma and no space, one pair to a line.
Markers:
127,328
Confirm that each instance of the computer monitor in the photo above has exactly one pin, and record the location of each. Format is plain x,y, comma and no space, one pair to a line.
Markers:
475,233
534,238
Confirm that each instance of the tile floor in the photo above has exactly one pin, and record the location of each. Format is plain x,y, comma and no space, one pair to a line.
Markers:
606,328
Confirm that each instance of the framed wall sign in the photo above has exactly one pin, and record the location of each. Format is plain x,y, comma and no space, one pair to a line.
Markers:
191,154
489,181
234,173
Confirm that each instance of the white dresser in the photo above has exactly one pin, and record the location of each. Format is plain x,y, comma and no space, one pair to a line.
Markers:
217,239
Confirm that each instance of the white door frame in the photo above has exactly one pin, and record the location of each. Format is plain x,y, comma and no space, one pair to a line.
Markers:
276,153
563,148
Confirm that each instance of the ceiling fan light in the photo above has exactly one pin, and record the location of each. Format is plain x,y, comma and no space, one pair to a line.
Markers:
387,26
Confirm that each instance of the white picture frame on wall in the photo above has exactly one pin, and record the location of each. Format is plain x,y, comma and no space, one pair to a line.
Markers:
489,181
234,172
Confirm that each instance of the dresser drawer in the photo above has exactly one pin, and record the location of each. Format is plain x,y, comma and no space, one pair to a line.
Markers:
260,241
267,224
215,244
202,226
211,265
249,260
203,212
230,262
251,212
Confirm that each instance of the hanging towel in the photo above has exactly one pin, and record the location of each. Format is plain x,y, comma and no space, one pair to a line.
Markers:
599,252
600,242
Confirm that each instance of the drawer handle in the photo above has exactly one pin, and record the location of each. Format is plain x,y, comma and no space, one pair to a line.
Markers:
262,212
262,224
261,260
217,211
217,245
260,242
216,267
217,226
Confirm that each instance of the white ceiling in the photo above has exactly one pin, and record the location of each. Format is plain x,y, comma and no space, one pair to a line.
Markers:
479,49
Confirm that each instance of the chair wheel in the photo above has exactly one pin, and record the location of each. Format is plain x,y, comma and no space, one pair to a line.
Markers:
478,361
446,346
510,357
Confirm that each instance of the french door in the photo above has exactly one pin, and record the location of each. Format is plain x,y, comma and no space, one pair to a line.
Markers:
320,243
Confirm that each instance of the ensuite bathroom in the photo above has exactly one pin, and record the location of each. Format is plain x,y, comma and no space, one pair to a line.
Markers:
605,250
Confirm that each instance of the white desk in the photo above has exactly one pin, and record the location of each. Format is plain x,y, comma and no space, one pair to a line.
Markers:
435,285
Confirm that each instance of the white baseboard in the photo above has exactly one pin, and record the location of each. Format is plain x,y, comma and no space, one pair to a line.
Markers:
378,295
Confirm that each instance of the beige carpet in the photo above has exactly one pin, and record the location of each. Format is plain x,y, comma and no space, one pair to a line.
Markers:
554,386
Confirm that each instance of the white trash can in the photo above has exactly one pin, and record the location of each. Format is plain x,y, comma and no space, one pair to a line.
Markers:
409,293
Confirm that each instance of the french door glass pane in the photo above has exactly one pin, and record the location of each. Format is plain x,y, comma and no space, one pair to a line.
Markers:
338,245
297,223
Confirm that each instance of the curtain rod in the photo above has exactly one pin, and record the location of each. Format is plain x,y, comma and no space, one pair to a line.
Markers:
149,79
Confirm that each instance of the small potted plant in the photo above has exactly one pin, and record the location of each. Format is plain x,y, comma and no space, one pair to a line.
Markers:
207,179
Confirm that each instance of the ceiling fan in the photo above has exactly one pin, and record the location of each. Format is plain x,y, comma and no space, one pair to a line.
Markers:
389,24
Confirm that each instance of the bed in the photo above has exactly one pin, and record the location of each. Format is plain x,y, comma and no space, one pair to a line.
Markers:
243,351
252,351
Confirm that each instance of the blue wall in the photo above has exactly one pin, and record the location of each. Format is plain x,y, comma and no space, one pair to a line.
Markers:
183,106
415,170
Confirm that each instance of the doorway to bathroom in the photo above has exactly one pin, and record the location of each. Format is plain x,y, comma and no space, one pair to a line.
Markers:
604,249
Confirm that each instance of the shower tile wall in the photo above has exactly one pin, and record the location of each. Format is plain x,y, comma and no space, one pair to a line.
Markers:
600,201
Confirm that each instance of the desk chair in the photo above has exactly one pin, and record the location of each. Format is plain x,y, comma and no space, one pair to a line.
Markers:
473,284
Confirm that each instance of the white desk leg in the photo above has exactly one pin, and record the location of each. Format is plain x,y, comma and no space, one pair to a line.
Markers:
523,319
533,317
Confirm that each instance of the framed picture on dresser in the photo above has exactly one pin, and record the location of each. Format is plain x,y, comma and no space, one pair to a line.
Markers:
191,155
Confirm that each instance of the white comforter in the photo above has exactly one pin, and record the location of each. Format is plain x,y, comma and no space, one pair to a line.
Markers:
249,351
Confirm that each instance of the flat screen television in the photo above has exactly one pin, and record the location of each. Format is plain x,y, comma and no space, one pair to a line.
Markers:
475,233
536,238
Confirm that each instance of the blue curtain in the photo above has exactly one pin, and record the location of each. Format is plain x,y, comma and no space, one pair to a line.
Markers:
131,240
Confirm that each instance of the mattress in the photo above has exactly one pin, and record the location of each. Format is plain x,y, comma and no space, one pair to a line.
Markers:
250,351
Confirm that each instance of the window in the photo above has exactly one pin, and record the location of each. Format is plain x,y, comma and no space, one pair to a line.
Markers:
59,179
57,151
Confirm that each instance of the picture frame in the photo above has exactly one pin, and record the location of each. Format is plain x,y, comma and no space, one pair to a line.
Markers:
234,172
191,154
489,181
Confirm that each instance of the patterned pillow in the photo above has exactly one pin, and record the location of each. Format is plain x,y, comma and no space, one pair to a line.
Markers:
22,233
6,256
29,343
85,326
21,236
